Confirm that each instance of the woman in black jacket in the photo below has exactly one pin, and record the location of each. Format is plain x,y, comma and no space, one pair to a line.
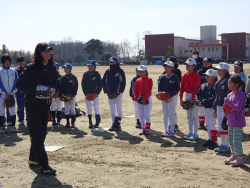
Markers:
40,73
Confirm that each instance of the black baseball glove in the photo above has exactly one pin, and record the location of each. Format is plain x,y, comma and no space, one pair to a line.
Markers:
112,94
224,124
187,105
9,102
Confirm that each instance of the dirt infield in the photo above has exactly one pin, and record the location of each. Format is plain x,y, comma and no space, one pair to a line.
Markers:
122,159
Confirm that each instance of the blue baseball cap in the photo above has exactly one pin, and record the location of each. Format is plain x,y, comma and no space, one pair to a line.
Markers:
113,58
67,65
56,65
238,64
91,62
208,59
136,68
172,58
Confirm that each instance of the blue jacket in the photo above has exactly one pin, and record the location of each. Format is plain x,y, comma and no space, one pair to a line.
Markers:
91,82
169,84
8,77
114,80
221,91
132,86
205,95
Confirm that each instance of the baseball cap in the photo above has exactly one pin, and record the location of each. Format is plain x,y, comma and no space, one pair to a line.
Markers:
67,65
113,58
91,62
172,58
190,61
56,65
208,59
136,68
211,72
142,68
168,63
44,47
238,64
223,66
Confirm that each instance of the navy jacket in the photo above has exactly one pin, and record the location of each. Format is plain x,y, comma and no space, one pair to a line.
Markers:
91,82
69,85
132,86
199,63
19,70
114,80
169,84
202,72
177,72
205,95
221,91
58,81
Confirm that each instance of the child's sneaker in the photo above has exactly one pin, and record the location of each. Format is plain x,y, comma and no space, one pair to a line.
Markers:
147,131
165,134
230,159
176,128
142,131
170,134
212,145
237,162
195,137
222,149
188,136
13,129
207,143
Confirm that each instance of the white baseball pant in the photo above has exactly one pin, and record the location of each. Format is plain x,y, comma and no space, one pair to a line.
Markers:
137,116
12,110
223,133
94,103
56,104
70,107
211,122
116,105
145,112
169,110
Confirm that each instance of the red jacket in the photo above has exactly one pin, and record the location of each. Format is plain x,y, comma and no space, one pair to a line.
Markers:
143,87
190,83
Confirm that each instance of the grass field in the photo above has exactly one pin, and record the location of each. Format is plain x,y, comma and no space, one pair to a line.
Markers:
122,159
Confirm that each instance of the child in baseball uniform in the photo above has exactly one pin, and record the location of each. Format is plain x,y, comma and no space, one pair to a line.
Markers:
238,70
8,77
131,93
190,84
235,119
67,93
221,92
114,83
142,94
56,103
205,98
169,83
91,87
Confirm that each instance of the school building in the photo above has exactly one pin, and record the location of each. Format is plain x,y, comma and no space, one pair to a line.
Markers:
230,45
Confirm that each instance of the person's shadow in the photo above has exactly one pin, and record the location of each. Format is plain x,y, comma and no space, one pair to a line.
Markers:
123,135
43,180
72,131
10,139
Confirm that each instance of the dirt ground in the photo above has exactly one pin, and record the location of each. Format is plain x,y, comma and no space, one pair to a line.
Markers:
122,159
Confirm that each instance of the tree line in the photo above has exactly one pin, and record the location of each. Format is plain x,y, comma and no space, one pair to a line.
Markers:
78,52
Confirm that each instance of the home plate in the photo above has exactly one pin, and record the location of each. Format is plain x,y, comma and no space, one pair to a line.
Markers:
52,148
129,116
100,129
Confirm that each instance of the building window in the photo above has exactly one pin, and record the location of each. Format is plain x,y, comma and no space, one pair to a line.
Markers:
247,38
209,49
203,49
199,49
169,46
185,51
195,49
217,49
247,48
224,40
212,49
190,51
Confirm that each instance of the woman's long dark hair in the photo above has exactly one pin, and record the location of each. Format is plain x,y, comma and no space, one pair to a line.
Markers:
38,59
236,79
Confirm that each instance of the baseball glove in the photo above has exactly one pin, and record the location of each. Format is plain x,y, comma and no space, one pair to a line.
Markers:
224,124
66,98
9,102
91,96
226,108
44,92
140,100
187,105
163,96
112,94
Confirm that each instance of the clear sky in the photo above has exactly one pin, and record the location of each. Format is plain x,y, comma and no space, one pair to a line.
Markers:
24,23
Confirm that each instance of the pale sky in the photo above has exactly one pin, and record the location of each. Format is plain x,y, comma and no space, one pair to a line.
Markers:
24,23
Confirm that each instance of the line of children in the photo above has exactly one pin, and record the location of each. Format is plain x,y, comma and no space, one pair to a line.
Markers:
56,103
69,87
190,84
205,98
131,94
170,83
236,119
92,83
142,94
221,91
